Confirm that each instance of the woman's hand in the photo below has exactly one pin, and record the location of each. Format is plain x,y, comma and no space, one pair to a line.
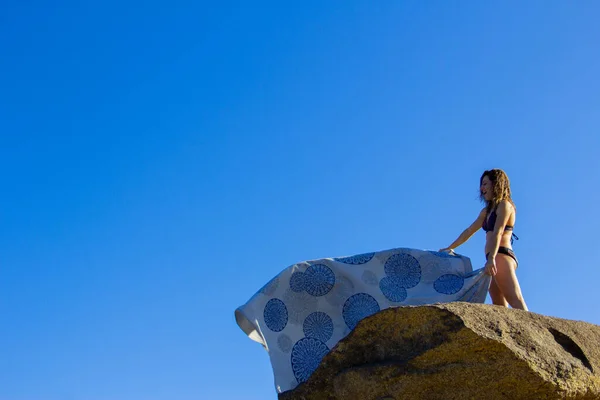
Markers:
490,267
446,250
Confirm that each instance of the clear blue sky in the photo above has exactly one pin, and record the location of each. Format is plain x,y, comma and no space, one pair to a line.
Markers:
161,161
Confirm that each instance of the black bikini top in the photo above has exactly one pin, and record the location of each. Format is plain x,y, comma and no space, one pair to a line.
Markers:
489,222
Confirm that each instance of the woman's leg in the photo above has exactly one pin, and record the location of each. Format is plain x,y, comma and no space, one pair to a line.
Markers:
506,280
496,295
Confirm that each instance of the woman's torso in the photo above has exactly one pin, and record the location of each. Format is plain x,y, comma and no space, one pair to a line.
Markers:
505,238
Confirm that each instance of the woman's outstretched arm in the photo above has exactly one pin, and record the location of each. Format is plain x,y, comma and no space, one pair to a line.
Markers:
467,233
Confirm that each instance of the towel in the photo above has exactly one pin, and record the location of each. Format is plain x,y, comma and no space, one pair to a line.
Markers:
300,314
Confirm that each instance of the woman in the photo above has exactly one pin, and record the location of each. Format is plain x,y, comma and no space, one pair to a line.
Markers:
497,220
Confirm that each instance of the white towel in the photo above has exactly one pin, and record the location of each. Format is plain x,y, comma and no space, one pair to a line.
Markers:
302,313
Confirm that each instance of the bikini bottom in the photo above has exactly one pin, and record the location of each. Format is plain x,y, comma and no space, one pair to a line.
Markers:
507,251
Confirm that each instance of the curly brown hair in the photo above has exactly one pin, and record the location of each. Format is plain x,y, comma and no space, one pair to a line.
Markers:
500,188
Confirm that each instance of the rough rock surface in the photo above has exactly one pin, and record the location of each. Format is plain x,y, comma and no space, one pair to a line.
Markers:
459,351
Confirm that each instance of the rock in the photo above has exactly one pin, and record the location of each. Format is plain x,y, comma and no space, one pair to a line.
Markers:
460,351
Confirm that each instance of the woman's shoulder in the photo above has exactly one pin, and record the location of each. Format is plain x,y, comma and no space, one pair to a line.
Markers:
506,205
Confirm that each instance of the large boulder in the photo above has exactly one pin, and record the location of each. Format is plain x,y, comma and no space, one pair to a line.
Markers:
459,351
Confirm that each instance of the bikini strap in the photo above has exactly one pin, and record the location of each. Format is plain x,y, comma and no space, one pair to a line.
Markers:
513,236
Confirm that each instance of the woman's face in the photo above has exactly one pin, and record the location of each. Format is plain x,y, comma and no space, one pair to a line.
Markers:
486,188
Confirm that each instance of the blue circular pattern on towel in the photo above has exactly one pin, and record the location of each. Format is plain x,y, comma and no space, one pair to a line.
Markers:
357,259
307,354
318,325
405,267
297,282
319,279
448,284
275,315
392,289
357,307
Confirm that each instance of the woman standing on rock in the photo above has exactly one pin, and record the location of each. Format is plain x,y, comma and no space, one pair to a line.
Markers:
497,219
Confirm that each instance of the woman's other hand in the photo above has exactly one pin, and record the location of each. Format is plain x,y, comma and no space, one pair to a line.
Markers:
490,267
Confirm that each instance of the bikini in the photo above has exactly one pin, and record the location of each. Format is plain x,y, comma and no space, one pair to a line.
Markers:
488,225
